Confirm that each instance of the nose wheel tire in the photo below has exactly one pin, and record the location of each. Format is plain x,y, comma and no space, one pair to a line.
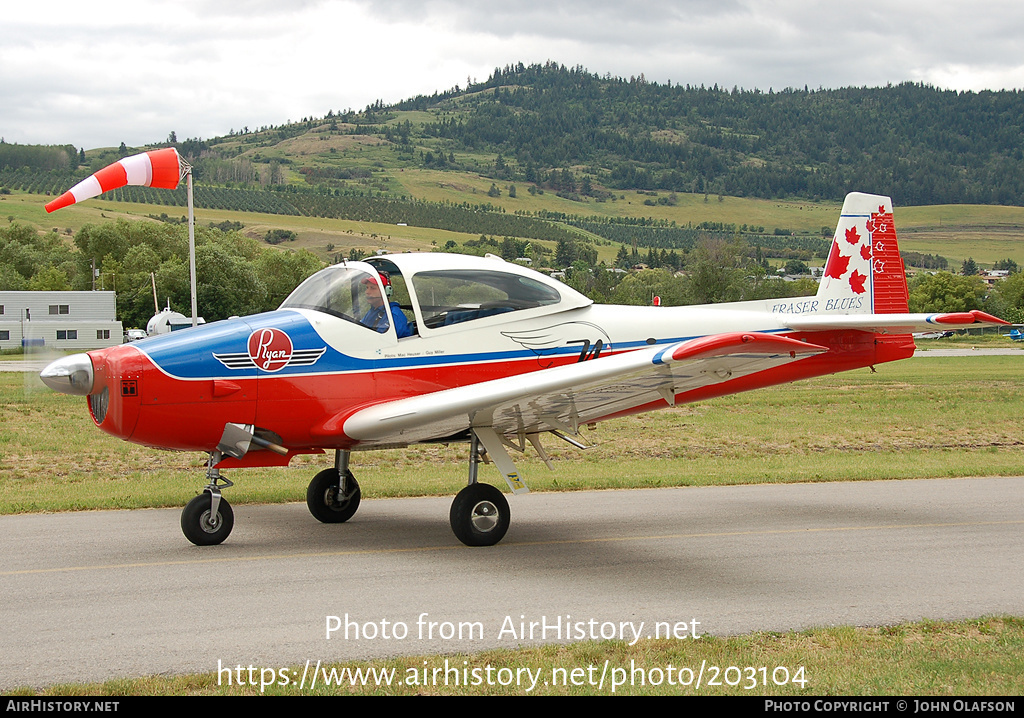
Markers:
325,501
200,526
479,515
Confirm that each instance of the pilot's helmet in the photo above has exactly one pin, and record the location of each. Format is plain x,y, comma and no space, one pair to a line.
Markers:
385,279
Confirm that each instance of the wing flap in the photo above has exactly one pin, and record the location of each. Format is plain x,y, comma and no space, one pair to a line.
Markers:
577,393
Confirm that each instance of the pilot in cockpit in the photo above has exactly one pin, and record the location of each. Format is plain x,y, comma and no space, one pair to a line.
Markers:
377,316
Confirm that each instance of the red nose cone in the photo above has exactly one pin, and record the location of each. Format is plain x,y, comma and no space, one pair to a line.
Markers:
117,389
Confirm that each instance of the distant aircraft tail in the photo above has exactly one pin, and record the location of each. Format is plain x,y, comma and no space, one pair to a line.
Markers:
864,273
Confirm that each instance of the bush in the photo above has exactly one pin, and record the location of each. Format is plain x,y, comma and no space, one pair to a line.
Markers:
276,236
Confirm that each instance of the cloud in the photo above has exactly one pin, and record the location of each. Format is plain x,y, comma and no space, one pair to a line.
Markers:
110,71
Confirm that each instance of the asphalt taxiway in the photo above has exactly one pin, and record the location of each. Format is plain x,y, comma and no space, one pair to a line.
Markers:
97,595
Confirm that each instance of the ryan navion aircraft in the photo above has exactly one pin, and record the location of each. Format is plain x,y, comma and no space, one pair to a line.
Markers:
412,348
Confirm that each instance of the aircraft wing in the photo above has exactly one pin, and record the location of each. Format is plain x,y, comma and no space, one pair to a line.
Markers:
894,323
561,398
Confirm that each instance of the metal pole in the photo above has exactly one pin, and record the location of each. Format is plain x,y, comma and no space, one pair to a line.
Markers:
191,241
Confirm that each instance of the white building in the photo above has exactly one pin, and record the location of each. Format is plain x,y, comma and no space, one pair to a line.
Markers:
59,320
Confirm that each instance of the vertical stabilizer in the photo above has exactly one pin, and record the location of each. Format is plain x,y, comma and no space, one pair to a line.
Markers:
864,273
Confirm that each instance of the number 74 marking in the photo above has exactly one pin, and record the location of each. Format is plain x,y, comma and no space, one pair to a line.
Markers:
586,352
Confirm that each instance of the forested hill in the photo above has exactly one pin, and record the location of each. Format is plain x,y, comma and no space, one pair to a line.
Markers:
920,144
581,135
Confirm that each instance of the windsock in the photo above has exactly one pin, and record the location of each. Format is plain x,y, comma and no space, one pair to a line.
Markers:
159,168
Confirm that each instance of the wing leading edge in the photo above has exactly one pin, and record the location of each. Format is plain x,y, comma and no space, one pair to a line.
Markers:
567,396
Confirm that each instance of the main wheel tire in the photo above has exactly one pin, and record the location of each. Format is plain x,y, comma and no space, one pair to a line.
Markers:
200,527
479,515
324,502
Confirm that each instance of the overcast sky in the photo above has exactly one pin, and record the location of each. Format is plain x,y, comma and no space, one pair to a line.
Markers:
99,73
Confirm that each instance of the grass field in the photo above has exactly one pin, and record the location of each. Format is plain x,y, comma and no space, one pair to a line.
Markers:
982,657
986,233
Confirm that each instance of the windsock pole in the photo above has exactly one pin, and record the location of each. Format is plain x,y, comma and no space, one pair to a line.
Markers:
187,170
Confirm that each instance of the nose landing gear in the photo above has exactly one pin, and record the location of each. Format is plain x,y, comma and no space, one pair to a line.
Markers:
202,524
208,519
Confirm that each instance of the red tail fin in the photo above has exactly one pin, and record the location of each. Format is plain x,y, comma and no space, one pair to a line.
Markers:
889,274
864,273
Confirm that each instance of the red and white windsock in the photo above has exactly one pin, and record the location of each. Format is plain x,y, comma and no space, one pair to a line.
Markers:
159,168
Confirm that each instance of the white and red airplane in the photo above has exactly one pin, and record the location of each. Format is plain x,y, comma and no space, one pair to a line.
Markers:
476,350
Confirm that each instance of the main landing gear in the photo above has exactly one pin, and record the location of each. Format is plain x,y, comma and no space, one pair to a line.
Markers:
479,515
333,494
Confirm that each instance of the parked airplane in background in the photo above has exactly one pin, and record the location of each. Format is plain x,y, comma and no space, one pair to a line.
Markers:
485,352
1016,335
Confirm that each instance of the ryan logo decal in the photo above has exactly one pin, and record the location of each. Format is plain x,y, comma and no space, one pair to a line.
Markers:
270,350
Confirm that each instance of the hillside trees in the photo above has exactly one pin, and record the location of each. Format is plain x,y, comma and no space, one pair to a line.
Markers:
578,133
569,251
227,284
717,272
640,287
48,279
38,157
236,275
281,272
1007,300
24,253
945,292
920,144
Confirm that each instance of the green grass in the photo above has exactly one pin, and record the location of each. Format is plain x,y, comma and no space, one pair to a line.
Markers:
983,657
960,216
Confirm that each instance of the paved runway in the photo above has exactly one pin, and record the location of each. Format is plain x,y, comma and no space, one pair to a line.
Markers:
97,595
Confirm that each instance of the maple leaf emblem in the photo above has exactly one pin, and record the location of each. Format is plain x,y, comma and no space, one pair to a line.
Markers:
851,236
837,264
865,252
879,267
857,282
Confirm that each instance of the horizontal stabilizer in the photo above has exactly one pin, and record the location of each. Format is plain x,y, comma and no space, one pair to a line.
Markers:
893,323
